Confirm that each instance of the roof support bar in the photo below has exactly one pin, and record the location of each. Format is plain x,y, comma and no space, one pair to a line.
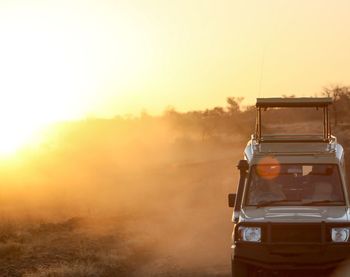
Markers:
325,128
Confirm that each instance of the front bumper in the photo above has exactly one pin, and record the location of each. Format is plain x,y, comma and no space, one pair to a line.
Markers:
291,256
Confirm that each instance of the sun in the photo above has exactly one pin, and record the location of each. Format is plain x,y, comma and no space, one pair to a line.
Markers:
12,140
24,121
19,128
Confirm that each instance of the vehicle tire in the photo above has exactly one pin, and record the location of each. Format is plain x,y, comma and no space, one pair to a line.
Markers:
239,269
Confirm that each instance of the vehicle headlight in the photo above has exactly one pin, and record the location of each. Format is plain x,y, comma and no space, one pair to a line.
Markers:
252,234
340,234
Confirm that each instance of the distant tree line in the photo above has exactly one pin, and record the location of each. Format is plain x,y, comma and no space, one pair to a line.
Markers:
216,121
233,119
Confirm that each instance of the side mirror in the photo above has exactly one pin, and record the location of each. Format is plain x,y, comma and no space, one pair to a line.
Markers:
231,200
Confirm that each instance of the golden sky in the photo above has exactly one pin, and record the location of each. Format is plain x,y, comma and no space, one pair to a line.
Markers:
70,59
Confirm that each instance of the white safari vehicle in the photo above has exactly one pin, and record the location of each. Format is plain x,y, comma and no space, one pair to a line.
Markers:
291,208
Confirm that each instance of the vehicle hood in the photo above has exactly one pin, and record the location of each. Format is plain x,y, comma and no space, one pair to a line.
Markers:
295,214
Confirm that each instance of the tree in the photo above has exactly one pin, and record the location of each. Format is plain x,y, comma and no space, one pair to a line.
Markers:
341,100
234,104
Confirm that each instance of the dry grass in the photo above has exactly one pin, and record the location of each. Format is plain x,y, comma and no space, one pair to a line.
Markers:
92,248
11,250
68,248
67,270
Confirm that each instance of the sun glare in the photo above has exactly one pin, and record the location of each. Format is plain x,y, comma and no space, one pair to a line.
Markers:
19,125
31,95
59,65
12,140
37,82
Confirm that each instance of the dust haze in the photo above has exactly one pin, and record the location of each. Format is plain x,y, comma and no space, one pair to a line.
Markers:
156,187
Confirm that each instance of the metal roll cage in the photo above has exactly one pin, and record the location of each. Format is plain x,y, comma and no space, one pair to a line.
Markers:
263,104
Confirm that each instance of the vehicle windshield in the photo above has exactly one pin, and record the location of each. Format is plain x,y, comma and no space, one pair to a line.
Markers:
294,184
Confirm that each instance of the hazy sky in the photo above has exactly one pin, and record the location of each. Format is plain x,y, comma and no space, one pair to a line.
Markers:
65,59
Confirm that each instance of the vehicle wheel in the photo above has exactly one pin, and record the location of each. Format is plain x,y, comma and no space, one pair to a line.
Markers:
239,269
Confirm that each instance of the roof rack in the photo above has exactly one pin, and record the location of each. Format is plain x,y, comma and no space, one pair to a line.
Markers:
304,102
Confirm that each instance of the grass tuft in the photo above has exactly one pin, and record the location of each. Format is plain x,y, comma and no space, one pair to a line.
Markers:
67,270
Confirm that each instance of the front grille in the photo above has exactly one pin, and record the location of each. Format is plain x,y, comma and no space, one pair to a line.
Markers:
296,233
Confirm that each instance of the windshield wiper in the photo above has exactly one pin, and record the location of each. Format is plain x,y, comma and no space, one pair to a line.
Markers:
315,203
268,203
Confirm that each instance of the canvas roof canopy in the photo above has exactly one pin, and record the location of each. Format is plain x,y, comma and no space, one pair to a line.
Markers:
294,102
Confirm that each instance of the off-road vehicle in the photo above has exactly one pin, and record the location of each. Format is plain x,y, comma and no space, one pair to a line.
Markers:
291,207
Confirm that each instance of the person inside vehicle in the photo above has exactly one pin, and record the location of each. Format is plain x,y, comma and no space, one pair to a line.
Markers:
322,191
267,190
